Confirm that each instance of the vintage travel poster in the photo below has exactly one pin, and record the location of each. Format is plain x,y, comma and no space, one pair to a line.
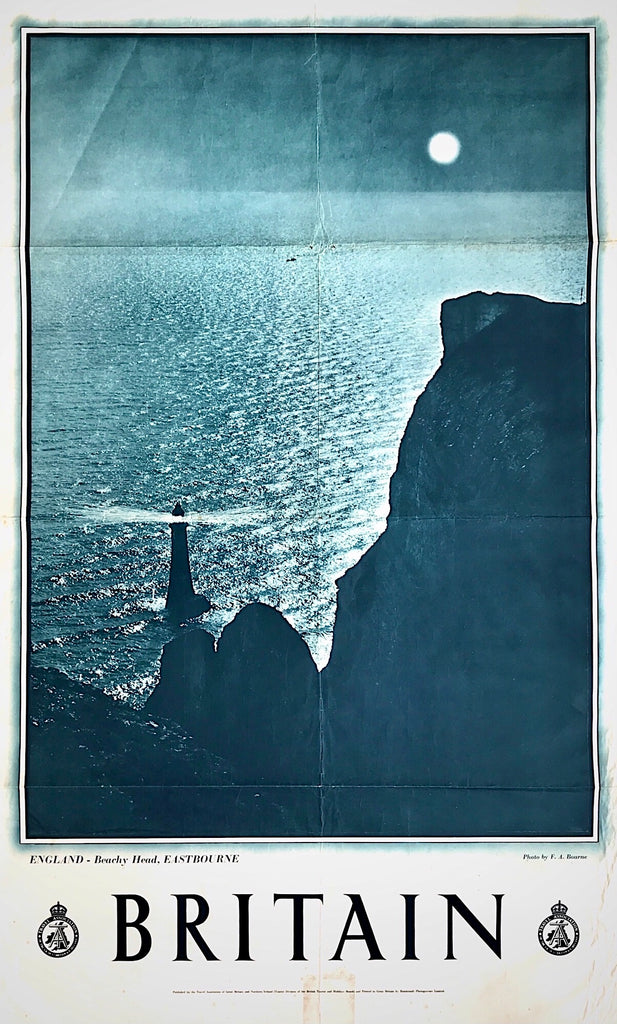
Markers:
306,518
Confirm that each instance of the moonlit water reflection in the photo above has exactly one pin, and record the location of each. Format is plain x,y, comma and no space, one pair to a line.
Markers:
269,394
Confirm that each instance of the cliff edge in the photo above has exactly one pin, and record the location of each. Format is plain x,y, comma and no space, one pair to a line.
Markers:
460,683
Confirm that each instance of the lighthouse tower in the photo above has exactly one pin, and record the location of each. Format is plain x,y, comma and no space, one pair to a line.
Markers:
182,601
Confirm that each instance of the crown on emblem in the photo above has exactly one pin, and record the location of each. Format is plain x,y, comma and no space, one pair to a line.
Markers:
559,909
58,910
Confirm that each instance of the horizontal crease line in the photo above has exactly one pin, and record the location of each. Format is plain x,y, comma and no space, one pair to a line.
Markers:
550,242
492,516
232,787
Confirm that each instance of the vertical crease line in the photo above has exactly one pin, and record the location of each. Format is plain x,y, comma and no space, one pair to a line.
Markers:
320,229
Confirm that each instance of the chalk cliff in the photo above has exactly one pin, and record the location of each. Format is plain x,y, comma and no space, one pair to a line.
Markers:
458,695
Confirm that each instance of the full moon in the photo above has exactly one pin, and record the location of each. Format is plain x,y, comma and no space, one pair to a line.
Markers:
444,148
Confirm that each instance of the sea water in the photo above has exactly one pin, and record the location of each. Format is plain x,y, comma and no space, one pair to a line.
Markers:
267,389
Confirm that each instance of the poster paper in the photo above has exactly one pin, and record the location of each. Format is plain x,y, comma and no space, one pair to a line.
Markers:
310,368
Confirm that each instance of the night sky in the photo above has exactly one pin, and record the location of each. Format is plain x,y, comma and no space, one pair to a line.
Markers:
128,132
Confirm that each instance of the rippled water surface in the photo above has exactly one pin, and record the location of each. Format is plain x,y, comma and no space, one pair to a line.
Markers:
268,393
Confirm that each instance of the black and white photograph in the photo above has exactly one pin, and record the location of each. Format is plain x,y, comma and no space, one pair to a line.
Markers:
310,350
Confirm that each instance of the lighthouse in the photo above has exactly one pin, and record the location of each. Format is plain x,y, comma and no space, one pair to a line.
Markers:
182,601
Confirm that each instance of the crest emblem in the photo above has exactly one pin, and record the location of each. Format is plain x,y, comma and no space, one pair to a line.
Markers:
558,934
58,935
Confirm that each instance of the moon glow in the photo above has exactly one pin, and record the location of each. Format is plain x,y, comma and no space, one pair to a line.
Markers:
444,148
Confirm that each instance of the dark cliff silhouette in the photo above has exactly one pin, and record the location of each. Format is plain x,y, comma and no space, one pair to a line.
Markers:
460,682
458,698
182,601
